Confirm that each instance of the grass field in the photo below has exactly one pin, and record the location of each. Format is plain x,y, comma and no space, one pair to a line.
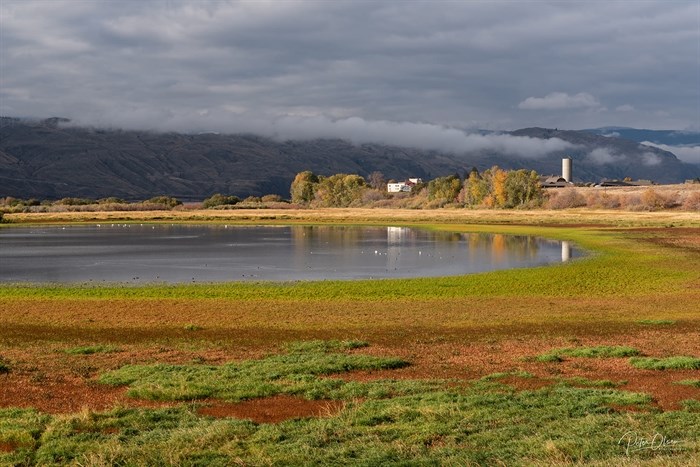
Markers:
592,361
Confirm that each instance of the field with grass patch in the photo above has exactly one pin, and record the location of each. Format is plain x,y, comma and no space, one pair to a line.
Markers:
586,361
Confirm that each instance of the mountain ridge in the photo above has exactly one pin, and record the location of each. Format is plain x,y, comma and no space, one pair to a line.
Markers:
50,160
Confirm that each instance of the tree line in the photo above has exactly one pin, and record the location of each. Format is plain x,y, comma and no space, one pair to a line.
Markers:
494,188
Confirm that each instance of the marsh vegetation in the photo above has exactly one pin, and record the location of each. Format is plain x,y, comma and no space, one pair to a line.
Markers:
424,370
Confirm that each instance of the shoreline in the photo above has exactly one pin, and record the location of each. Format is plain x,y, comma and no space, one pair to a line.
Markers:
540,217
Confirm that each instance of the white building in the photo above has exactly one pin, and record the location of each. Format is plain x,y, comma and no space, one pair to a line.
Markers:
404,187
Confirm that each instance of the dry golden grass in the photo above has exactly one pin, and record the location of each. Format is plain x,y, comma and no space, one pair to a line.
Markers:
366,215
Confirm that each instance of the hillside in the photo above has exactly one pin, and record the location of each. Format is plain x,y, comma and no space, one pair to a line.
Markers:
669,137
49,160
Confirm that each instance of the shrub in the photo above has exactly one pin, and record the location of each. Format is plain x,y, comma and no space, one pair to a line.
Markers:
74,202
603,200
219,200
166,201
566,198
631,203
111,200
692,202
4,367
271,198
370,196
651,200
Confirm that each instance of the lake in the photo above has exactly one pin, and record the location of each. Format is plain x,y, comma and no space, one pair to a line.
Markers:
132,253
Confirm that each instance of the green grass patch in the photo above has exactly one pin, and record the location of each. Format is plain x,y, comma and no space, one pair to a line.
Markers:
602,351
689,382
439,426
691,405
497,376
383,422
92,349
669,363
324,346
297,373
656,322
593,383
549,358
20,431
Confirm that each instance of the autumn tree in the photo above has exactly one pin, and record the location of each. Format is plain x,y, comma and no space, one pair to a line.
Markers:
303,187
522,188
444,189
498,187
475,189
376,180
340,190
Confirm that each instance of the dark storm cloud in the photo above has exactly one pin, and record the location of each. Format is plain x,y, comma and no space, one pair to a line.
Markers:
365,71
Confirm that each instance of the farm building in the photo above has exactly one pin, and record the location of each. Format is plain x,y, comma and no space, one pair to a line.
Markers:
405,186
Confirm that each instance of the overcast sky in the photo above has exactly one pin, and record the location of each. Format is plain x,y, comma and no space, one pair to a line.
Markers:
410,69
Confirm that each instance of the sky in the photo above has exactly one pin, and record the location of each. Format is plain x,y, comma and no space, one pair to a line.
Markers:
418,72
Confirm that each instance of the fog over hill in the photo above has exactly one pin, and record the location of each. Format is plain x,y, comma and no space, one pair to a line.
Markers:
52,159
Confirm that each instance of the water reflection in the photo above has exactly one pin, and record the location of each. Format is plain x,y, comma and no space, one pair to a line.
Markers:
565,251
195,253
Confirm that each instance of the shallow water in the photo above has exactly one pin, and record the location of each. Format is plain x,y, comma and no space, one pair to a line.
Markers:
216,253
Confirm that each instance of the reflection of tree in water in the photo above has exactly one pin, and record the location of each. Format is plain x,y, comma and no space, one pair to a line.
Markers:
504,247
449,237
333,236
498,247
522,247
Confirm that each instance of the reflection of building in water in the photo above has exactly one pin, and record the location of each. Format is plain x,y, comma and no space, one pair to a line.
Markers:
394,235
565,251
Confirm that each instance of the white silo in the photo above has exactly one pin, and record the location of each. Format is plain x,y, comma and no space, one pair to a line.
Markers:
566,169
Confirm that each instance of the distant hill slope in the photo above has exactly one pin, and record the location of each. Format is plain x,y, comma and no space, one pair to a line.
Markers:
596,157
668,137
46,160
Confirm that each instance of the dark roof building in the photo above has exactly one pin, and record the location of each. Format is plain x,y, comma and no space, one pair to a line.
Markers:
554,181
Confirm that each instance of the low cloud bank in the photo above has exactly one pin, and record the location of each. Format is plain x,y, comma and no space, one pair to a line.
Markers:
415,135
602,156
689,154
422,136
559,100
